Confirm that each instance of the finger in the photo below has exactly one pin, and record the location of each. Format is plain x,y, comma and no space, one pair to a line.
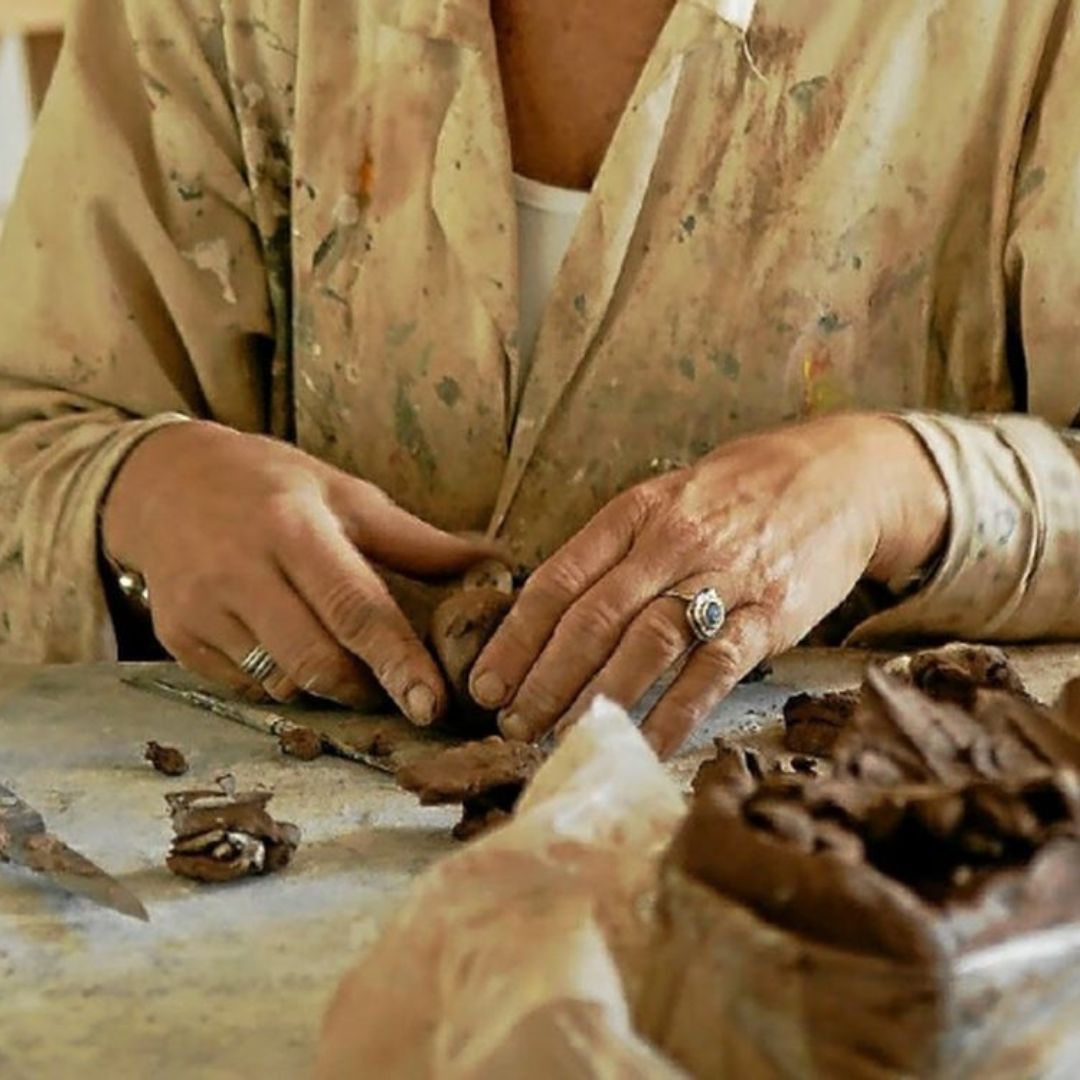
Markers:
202,658
547,596
355,606
400,541
586,638
657,640
309,659
711,673
234,640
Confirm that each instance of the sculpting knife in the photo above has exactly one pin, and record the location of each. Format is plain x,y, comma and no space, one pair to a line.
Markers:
26,842
269,723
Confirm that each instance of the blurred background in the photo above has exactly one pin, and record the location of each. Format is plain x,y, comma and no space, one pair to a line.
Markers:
30,37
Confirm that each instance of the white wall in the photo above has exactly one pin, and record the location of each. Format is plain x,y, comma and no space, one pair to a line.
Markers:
14,117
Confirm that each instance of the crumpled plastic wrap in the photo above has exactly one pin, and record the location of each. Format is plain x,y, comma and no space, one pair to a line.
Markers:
521,955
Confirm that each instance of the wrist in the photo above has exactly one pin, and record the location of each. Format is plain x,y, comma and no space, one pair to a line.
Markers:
127,506
911,500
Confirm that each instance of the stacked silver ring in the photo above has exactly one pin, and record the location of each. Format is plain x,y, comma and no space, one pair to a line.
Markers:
258,665
705,612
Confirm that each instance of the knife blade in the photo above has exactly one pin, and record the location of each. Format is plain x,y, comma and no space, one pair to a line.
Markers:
25,841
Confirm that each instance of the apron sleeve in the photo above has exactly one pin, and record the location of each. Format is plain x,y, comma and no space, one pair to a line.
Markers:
1011,569
132,293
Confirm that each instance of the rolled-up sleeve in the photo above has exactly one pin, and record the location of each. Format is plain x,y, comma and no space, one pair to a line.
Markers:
1011,567
132,294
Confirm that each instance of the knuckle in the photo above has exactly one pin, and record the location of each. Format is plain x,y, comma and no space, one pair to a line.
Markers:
540,699
560,582
354,615
395,666
722,660
286,517
681,715
595,621
662,635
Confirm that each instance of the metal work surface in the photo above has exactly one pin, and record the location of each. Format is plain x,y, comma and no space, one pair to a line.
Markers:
225,981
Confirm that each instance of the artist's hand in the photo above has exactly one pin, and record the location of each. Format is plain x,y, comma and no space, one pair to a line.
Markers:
782,524
246,541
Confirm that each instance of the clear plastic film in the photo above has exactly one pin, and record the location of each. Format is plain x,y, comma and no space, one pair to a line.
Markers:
521,954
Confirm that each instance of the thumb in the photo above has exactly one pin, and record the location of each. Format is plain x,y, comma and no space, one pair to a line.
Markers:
396,539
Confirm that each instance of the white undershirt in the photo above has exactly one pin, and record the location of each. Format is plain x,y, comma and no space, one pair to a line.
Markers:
547,218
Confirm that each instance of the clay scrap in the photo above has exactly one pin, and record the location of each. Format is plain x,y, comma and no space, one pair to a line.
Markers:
946,801
485,777
222,835
300,742
166,759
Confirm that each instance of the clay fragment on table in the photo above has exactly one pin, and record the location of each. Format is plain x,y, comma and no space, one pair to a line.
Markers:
471,770
485,777
813,723
301,742
166,759
956,672
222,835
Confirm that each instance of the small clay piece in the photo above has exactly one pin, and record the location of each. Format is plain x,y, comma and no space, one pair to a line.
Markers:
736,767
224,835
812,724
460,628
166,759
479,816
486,777
471,770
301,742
956,672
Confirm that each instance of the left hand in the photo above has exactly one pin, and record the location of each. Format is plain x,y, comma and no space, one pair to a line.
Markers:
782,524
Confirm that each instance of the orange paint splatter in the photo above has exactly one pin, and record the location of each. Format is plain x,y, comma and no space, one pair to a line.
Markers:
367,177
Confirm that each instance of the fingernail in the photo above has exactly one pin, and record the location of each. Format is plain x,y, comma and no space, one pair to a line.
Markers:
420,705
488,689
515,728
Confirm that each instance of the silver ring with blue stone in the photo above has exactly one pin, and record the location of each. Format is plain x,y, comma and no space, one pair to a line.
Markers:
705,612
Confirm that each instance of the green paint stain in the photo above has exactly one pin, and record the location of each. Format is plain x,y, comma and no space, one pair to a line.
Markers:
579,304
449,391
688,368
397,335
410,433
727,363
831,323
1032,180
689,224
804,93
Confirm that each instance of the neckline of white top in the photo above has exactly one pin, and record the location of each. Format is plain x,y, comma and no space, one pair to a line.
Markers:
549,197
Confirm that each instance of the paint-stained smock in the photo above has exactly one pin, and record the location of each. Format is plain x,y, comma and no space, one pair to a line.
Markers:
298,218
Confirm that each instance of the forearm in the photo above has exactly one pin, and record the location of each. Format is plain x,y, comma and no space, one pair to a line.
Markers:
1010,569
55,469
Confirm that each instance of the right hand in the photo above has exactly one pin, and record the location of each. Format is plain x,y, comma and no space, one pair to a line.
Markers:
247,541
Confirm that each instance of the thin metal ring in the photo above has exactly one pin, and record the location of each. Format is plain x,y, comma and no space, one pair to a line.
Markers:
705,612
258,665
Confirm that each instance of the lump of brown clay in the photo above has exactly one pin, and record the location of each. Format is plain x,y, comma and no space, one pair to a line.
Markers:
224,835
958,671
301,742
926,808
166,759
471,770
461,627
486,777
